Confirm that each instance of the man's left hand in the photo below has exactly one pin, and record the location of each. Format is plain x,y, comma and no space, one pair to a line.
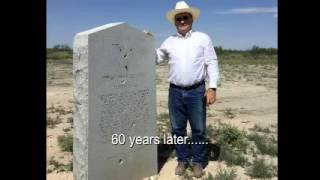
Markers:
210,96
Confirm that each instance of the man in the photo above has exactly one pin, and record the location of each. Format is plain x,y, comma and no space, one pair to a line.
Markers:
192,59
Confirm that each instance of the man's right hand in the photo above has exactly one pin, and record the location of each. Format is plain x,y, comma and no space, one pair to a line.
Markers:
148,33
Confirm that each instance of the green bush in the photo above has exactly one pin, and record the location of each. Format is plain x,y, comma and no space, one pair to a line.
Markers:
210,132
261,129
232,156
51,123
59,167
225,175
264,144
260,169
65,142
163,116
232,142
228,112
230,135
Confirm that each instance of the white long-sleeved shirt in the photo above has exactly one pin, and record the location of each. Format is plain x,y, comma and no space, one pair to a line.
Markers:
191,59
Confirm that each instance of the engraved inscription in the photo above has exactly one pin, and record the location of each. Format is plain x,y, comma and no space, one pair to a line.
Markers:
124,112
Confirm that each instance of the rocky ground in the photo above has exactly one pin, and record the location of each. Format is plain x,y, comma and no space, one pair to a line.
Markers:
246,99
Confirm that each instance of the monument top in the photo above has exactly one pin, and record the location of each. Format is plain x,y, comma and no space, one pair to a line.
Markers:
97,29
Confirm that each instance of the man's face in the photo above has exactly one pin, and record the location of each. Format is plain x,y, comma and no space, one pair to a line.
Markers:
183,22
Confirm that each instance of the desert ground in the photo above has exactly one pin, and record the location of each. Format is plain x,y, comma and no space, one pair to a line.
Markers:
246,99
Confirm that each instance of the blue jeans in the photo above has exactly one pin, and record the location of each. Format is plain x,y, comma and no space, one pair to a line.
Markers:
189,105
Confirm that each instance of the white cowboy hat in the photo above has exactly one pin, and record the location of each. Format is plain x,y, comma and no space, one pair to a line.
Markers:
182,7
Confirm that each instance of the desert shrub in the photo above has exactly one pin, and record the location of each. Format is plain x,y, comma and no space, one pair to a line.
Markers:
163,116
51,122
232,142
264,144
261,129
232,156
260,169
230,135
70,120
60,167
224,174
228,112
65,142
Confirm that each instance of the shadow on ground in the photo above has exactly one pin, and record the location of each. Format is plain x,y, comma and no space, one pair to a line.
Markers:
165,151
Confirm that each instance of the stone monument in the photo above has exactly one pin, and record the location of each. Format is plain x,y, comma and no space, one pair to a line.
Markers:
114,92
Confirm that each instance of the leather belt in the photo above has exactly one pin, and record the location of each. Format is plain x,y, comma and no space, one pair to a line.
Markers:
188,87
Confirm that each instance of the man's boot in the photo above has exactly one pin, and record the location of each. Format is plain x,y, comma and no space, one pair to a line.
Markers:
181,167
197,170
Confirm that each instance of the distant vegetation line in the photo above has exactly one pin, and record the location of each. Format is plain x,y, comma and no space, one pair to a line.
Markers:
64,52
60,51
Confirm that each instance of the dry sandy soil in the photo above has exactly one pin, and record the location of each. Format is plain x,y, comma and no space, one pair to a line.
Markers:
247,92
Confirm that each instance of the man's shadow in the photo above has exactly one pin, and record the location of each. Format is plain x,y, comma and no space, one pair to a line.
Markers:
165,151
213,152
